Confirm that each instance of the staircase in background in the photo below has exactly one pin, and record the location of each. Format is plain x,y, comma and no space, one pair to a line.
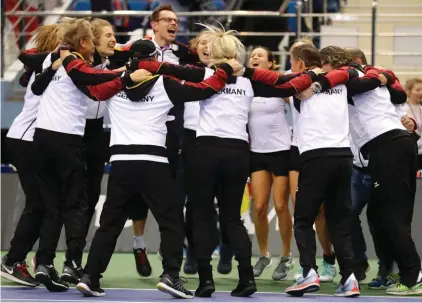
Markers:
410,22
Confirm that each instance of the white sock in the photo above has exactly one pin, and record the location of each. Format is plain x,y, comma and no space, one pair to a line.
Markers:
138,242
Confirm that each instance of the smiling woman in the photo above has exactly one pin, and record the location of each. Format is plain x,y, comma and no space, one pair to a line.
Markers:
104,38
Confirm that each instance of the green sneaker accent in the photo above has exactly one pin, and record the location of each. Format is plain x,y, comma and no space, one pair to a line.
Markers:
299,273
402,290
328,272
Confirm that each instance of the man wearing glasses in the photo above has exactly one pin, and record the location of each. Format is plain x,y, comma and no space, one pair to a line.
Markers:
165,25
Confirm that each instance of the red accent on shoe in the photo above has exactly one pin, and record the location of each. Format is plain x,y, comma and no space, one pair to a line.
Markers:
23,268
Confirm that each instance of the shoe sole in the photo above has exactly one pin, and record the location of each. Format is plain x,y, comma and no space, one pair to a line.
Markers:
14,279
144,274
69,279
413,293
50,284
172,292
206,292
247,292
300,292
87,292
349,294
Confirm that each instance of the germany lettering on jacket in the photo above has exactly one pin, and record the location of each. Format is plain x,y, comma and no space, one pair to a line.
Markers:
333,91
143,99
56,78
232,91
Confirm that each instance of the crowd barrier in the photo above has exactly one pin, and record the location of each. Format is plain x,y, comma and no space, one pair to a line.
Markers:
13,200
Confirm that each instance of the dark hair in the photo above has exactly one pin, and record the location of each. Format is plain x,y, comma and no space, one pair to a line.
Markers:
356,53
156,13
270,56
335,56
308,53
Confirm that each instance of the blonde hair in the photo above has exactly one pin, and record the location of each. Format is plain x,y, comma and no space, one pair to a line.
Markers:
46,37
224,44
97,28
74,30
193,43
411,83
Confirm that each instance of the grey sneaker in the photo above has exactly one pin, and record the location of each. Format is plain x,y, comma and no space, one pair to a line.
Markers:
262,263
283,268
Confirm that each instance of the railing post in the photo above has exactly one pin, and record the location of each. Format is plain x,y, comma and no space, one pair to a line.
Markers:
373,34
299,18
3,22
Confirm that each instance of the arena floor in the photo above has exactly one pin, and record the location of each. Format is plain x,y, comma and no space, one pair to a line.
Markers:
122,284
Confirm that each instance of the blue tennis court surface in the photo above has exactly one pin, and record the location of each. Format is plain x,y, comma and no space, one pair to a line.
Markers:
41,295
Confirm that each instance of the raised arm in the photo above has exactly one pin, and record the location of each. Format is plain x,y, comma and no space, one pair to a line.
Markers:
397,93
183,72
32,59
42,80
179,91
82,74
268,83
350,77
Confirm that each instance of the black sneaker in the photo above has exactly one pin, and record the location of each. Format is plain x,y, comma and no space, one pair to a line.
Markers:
90,287
47,275
174,287
225,264
206,283
71,273
18,273
143,267
246,286
190,267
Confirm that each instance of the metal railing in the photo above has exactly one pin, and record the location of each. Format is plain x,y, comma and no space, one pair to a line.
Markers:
299,15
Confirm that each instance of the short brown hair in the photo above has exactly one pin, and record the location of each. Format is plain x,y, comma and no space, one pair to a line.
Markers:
412,82
335,56
156,13
356,53
308,53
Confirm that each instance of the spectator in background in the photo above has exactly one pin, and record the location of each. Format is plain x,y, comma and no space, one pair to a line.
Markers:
414,109
262,24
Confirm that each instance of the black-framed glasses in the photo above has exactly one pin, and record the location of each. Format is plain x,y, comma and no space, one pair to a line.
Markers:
168,20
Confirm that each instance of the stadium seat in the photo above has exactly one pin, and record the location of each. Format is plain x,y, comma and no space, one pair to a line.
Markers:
82,5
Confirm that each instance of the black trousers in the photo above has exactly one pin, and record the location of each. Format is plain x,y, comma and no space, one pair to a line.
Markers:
226,167
325,179
141,208
60,168
393,170
188,157
154,181
29,225
95,154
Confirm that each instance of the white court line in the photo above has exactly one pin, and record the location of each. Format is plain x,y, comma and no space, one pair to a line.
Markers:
219,291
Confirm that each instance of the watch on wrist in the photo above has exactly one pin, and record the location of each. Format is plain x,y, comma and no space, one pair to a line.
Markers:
316,87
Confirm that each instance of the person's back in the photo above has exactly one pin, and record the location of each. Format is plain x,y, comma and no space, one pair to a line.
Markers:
225,114
324,122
